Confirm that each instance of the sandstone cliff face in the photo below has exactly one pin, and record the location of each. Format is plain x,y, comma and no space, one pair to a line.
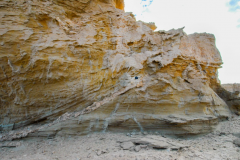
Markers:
109,72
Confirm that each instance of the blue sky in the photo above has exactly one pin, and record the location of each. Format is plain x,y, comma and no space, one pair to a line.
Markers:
234,5
219,17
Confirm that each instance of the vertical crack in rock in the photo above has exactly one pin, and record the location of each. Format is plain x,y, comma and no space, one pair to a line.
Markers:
105,125
139,125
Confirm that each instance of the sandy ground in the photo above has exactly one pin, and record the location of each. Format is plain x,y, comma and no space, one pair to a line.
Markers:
214,146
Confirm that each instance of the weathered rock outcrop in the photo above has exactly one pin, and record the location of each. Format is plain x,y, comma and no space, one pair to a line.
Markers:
234,87
89,58
230,93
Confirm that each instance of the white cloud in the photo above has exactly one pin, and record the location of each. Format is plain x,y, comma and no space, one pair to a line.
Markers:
200,16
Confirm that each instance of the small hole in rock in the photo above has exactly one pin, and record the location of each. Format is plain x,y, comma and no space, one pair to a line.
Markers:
136,77
137,144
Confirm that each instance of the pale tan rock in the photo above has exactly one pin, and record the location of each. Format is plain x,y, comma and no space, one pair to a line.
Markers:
151,25
85,66
231,94
232,87
127,145
137,148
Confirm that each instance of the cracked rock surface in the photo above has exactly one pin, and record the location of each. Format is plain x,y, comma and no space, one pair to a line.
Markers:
87,66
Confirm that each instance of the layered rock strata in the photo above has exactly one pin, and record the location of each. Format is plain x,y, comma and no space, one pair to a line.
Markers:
93,61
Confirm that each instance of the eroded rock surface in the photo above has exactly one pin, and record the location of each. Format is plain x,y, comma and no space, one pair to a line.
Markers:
230,93
216,145
92,63
150,142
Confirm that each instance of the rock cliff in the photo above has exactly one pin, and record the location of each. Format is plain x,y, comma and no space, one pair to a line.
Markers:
230,94
91,62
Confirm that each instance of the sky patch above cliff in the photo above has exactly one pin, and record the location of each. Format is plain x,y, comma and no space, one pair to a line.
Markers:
234,5
219,17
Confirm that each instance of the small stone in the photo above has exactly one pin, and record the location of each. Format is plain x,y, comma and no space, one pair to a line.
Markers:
137,148
127,145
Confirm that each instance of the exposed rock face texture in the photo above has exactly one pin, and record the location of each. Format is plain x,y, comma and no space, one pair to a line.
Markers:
231,94
91,58
235,87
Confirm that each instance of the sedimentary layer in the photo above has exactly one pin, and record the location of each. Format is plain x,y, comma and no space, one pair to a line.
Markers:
90,59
